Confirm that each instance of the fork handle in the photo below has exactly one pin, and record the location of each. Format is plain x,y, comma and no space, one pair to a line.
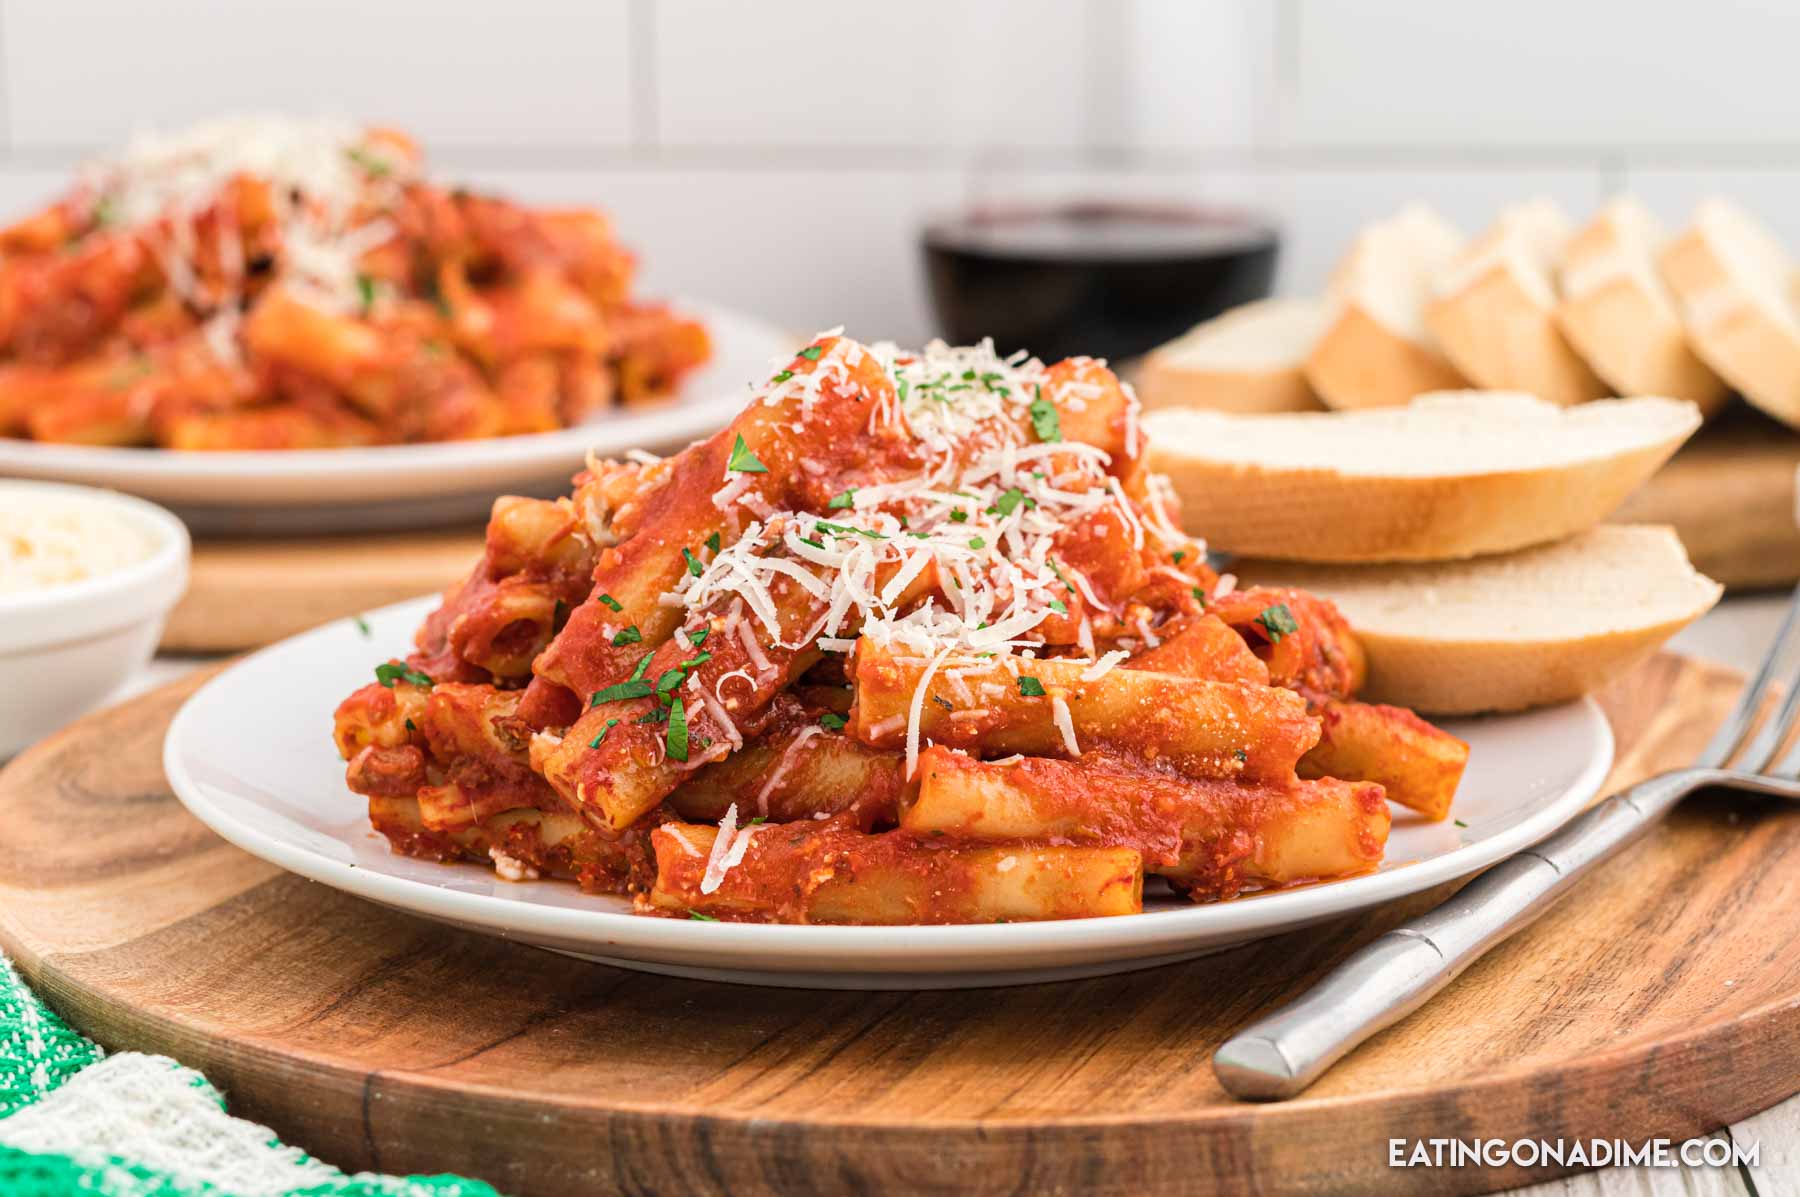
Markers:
1393,975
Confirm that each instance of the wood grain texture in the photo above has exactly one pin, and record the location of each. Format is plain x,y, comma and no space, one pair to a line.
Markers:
1730,495
248,593
383,1041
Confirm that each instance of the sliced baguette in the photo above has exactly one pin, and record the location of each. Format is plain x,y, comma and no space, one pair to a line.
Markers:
1734,287
1375,350
1544,625
1617,314
1495,310
1451,475
1247,360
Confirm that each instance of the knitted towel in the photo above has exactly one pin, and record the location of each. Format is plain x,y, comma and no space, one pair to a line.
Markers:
74,1121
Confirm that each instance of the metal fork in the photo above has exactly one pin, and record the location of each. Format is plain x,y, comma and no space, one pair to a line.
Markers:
1278,1056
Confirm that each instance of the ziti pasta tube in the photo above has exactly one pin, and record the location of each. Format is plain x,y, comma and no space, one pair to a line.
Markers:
1212,837
999,705
792,873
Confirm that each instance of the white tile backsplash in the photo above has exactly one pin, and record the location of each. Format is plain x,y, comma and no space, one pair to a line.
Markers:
86,73
839,74
1196,74
1536,73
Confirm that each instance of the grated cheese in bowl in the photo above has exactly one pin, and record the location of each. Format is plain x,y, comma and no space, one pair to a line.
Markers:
44,544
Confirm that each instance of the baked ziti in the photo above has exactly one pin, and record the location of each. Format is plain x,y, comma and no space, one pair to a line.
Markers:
272,284
916,639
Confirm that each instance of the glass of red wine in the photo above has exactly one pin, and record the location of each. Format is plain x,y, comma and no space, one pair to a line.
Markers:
1109,279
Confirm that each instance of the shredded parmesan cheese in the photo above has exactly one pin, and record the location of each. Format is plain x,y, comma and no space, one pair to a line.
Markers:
1059,714
44,543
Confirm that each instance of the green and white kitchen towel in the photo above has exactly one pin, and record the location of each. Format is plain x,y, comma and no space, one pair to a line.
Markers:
74,1120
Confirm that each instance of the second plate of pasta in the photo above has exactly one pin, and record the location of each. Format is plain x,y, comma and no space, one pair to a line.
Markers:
262,778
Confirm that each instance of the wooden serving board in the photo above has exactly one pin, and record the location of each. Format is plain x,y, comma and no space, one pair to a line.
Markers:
1730,495
248,593
1663,998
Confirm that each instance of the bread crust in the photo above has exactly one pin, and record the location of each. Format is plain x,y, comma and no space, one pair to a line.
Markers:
1448,675
1503,339
1360,362
1322,515
1624,327
1636,345
1745,344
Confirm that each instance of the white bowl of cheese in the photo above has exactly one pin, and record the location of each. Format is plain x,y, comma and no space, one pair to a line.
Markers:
87,578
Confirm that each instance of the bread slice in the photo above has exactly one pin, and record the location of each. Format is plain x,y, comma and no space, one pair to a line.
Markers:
1247,360
1375,350
1617,314
1503,633
1734,287
1451,475
1495,310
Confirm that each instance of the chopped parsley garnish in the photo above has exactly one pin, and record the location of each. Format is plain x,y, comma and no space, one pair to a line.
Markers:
670,679
1277,621
814,541
1459,823
712,542
744,461
1009,502
977,542
698,637
959,516
609,601
759,819
656,715
813,353
677,738
388,673
365,292
842,500
1058,606
846,529
1030,687
409,726
832,721
362,625
610,724
1200,597
1059,576
701,918
1177,555
637,687
1045,420
558,612
942,702
630,635
1240,754
370,163
693,563
696,661
783,376
106,212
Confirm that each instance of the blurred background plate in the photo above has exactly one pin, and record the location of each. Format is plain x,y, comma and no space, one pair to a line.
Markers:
393,487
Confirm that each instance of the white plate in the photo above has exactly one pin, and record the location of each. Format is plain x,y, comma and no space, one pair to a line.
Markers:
250,756
398,486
